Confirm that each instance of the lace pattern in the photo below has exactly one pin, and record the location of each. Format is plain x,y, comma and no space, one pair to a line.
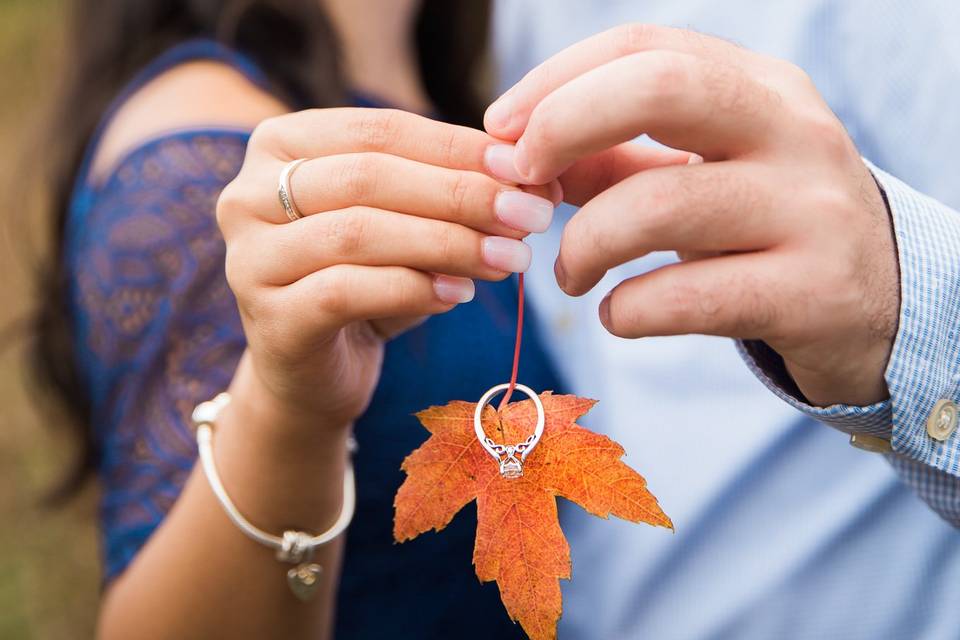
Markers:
157,325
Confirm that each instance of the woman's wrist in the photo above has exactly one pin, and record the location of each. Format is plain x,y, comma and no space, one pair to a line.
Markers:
289,422
282,467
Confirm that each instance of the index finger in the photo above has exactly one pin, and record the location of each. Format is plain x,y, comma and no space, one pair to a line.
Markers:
322,132
507,117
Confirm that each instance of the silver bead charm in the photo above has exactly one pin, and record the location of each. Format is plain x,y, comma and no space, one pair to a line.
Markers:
296,547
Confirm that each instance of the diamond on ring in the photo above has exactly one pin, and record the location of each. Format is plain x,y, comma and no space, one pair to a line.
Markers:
506,455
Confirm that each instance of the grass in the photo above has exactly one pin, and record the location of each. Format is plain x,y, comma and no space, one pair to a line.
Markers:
48,558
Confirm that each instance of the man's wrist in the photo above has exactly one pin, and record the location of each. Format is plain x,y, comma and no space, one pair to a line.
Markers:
860,384
767,365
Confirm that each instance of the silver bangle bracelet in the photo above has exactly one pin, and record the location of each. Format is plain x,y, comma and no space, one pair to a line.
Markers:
293,546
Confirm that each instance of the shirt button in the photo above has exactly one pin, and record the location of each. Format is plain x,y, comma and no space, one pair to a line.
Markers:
942,421
873,444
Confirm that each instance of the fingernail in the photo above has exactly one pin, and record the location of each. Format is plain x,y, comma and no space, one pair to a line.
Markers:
506,254
523,211
499,161
605,310
556,192
453,290
695,159
559,273
520,160
499,114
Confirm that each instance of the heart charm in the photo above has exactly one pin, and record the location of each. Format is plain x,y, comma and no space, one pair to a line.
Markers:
304,580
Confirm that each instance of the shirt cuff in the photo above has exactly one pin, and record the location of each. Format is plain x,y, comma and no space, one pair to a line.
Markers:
924,366
767,365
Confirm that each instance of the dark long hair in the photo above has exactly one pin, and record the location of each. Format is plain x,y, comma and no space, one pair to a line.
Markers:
293,43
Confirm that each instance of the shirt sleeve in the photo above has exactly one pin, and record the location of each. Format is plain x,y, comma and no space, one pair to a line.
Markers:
156,328
897,95
923,374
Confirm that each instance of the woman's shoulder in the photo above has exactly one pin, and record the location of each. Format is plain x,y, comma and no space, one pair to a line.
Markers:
194,94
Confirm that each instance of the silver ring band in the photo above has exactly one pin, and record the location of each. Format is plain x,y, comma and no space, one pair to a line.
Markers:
506,454
285,193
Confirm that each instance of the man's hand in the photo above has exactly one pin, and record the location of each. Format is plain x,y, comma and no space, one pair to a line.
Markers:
785,234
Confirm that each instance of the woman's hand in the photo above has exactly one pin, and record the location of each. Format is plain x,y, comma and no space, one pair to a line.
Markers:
398,221
792,240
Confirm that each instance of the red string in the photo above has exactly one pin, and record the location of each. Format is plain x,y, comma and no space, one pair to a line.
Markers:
516,348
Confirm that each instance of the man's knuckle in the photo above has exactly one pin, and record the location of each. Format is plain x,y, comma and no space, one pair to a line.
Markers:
729,88
692,199
580,241
755,315
632,37
740,306
681,300
826,130
668,77
744,194
831,202
747,193
654,225
657,209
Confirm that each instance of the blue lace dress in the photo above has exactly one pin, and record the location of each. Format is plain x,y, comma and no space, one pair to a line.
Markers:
157,331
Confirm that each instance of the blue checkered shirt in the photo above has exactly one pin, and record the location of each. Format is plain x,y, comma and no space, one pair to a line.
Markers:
924,366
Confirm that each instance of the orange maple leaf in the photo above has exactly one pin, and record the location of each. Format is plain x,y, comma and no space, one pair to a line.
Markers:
519,541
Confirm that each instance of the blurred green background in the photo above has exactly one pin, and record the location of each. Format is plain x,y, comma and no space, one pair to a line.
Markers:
49,580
